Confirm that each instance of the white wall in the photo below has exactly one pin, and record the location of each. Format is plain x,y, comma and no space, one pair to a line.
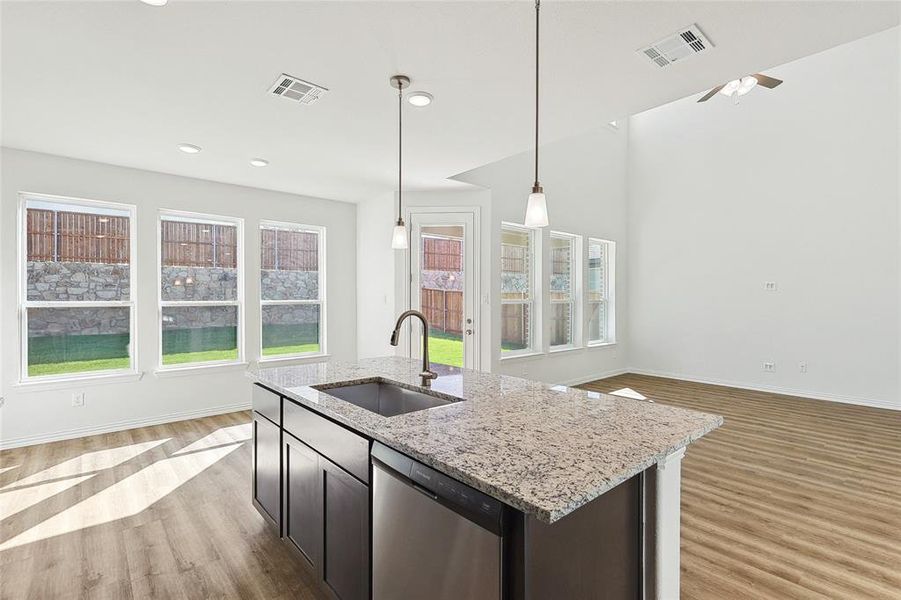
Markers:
798,185
376,308
35,414
585,182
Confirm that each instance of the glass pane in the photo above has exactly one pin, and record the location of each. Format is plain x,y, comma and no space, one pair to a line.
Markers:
561,324
561,268
194,334
76,253
597,271
290,329
597,322
441,291
198,260
516,264
290,264
77,340
516,327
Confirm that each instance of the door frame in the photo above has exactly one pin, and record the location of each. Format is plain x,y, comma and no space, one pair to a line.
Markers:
407,275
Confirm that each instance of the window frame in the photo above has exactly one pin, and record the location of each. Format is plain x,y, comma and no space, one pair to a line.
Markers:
575,291
23,304
320,230
209,219
610,296
534,301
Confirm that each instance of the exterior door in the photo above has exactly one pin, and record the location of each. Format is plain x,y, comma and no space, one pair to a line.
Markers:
443,280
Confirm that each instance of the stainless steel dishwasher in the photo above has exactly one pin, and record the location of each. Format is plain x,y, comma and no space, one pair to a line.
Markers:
432,536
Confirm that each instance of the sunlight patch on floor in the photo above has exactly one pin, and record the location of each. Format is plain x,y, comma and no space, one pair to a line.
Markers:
629,393
223,435
5,469
87,463
125,498
18,499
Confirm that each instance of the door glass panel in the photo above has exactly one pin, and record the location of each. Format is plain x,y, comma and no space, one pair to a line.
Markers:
441,287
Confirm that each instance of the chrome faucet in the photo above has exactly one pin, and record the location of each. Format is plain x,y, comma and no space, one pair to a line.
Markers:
427,374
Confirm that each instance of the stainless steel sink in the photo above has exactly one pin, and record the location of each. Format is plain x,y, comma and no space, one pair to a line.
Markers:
386,399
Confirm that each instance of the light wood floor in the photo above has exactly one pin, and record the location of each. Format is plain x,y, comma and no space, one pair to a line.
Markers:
792,498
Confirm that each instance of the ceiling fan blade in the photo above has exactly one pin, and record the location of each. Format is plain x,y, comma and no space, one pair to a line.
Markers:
766,81
711,93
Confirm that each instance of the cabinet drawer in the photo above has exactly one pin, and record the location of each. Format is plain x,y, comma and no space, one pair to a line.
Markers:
341,446
268,404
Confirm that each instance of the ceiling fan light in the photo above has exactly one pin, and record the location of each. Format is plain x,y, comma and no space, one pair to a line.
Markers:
399,236
746,85
731,87
536,210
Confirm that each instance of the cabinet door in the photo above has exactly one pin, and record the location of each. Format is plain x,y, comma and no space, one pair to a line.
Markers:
345,552
267,468
303,509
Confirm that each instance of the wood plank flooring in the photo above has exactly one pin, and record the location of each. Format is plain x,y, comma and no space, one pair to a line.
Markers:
791,498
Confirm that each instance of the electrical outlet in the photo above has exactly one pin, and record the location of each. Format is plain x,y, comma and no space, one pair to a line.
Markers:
770,286
802,366
769,367
78,399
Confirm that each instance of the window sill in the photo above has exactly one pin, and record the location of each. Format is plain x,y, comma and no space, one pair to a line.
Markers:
600,344
523,355
297,358
198,369
41,385
567,348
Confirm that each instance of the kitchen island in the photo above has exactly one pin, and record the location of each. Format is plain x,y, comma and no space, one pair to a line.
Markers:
589,482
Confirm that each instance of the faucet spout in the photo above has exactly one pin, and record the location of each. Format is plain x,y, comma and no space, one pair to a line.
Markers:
427,374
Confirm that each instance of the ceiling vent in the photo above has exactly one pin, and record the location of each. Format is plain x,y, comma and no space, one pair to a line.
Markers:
296,89
686,42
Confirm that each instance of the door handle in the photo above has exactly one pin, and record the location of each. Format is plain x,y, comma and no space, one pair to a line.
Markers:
469,332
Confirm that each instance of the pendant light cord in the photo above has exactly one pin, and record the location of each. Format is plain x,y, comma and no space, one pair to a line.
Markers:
400,151
537,21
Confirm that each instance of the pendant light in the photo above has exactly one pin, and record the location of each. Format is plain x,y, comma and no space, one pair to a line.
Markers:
399,237
536,208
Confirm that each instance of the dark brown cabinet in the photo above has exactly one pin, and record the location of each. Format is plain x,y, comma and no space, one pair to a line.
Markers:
267,468
326,517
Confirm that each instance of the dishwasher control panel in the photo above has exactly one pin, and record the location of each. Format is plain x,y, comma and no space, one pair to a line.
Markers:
453,491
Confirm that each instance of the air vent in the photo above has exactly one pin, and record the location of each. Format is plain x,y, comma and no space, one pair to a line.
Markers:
296,89
686,42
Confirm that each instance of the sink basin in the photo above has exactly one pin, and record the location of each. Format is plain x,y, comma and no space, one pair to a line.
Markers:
386,399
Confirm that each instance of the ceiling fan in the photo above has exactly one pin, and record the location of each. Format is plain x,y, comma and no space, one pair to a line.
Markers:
739,87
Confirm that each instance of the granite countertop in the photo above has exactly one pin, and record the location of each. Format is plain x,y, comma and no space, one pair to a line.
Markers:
546,450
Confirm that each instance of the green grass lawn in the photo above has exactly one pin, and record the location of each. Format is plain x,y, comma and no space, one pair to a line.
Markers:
57,355
445,348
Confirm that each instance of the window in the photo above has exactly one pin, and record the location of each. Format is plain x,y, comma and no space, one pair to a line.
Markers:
292,289
564,283
518,334
77,294
200,289
601,260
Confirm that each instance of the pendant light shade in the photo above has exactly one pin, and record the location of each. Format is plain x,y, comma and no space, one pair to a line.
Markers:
536,207
399,235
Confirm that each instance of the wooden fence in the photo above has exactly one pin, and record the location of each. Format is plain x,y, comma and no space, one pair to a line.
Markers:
513,258
189,244
64,236
443,309
286,250
442,254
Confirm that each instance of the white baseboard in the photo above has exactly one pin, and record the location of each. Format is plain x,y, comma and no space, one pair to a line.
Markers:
772,389
68,434
594,377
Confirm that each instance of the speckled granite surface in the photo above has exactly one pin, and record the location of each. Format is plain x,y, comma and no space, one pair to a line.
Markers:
546,450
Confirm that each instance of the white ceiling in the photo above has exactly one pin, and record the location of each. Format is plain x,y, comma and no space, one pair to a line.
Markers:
123,82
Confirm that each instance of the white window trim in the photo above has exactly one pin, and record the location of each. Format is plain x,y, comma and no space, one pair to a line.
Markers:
576,297
610,298
323,350
22,291
535,346
195,217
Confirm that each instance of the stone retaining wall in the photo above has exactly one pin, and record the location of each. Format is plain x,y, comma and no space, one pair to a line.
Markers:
52,281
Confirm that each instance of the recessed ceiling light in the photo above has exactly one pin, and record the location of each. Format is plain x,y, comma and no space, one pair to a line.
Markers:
155,2
189,148
259,162
419,98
